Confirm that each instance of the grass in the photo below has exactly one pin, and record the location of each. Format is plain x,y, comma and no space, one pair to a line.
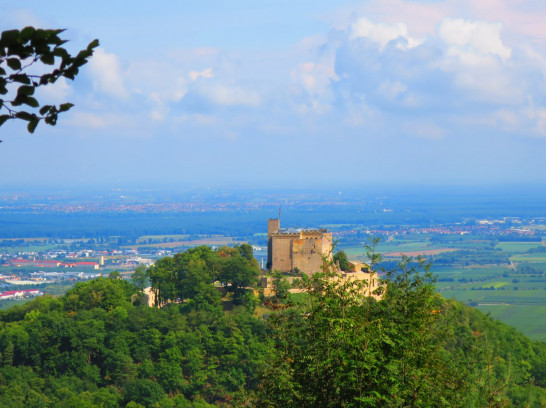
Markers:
532,258
517,247
30,248
508,296
527,319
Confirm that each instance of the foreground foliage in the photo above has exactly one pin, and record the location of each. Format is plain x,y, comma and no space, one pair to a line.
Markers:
29,59
101,346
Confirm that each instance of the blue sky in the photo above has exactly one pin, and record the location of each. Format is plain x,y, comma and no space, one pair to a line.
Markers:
299,93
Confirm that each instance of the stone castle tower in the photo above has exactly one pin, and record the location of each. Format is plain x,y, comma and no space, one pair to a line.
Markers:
297,248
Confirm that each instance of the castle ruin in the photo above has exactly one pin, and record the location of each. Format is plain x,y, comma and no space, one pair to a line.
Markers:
291,249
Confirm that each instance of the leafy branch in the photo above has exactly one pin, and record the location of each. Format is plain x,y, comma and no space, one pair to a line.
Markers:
19,51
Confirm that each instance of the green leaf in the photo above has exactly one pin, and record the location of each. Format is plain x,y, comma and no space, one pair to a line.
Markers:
4,118
2,71
51,119
14,63
27,33
93,44
30,101
32,125
21,78
18,100
24,115
25,90
44,109
61,52
8,37
48,59
65,106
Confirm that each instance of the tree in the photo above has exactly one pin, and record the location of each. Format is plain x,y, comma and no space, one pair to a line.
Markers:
238,275
341,260
342,348
281,286
246,251
140,277
24,53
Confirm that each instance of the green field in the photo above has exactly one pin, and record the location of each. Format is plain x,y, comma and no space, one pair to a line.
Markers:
30,248
517,247
515,296
527,319
532,258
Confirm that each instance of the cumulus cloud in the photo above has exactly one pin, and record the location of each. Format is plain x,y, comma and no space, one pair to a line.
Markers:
206,73
480,37
383,62
108,76
231,96
466,66
382,33
55,93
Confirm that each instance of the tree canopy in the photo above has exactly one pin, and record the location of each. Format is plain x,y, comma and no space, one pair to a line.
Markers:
331,346
24,56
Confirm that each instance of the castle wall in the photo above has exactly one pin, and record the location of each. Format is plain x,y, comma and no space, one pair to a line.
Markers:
281,250
370,279
308,251
301,249
273,226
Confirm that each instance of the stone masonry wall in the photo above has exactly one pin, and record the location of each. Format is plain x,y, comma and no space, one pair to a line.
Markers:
282,253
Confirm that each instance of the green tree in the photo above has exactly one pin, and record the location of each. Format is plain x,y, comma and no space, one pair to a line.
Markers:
24,52
246,251
341,348
163,280
340,258
280,285
140,277
102,293
143,392
238,274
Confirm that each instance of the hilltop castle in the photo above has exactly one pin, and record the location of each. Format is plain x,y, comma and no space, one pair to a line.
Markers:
303,249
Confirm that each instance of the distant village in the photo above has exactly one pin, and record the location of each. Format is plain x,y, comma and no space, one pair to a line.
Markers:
287,249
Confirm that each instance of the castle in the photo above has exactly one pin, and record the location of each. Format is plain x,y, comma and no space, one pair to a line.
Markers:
304,250
291,249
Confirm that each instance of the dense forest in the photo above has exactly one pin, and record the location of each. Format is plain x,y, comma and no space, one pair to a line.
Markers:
214,339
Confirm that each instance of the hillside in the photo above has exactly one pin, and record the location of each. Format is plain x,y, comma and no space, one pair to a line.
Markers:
101,346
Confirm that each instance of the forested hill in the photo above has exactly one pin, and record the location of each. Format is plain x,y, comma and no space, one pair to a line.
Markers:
100,345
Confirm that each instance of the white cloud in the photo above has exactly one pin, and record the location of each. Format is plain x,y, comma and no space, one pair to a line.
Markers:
231,95
107,74
54,93
382,34
314,77
206,73
473,37
392,89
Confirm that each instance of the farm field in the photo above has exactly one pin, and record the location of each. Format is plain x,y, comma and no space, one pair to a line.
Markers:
151,241
517,247
527,319
532,258
506,279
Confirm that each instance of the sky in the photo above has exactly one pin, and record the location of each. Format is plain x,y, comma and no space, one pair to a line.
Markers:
296,93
